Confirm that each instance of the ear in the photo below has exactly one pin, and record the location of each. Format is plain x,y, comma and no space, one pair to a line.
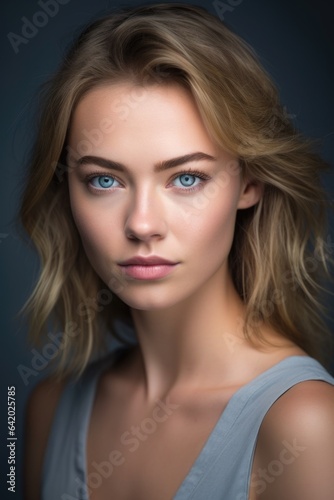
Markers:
251,193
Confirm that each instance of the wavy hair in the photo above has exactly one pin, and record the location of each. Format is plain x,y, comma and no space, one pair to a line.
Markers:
279,249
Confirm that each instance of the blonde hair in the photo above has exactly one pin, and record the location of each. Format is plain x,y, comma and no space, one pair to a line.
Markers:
278,250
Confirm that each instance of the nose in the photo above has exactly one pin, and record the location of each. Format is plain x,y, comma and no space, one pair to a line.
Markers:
145,218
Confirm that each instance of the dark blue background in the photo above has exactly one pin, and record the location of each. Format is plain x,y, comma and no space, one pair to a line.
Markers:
294,41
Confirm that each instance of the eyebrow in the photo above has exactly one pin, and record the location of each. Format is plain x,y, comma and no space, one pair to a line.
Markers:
158,167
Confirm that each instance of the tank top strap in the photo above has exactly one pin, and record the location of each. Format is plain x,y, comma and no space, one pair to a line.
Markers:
64,468
223,468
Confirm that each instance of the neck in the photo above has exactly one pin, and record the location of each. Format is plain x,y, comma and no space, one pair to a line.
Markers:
193,343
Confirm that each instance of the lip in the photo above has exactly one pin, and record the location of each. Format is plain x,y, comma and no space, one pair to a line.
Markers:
153,260
147,268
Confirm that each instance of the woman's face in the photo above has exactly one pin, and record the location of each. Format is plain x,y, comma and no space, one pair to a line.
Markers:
147,182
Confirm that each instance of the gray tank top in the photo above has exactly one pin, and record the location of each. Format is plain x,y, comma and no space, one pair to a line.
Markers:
223,468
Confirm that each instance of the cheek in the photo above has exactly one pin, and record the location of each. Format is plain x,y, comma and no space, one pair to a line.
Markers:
214,223
219,231
90,236
91,224
96,234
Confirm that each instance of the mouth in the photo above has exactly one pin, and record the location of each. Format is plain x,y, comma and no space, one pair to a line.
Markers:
147,268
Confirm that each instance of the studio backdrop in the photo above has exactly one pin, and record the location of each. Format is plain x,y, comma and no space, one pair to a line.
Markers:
294,41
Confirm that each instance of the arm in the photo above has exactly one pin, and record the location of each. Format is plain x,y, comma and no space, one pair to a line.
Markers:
40,410
295,448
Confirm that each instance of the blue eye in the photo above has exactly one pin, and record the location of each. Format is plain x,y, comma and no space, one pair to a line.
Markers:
187,180
103,181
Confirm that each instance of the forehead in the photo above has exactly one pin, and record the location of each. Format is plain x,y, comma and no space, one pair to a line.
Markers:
127,115
132,96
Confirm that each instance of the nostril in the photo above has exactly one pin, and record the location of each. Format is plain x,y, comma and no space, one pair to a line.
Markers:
145,224
142,235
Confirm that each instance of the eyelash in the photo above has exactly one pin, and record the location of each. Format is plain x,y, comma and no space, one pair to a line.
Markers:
93,175
194,173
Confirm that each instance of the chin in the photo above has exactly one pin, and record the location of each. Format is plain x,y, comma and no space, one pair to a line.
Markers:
148,302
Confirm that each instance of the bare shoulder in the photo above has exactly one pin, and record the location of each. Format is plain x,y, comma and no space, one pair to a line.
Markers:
40,410
295,447
307,405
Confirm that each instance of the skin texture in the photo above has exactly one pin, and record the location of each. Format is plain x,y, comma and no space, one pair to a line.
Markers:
191,352
150,213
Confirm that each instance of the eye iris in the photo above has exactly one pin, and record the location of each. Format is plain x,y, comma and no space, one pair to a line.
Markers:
187,180
106,182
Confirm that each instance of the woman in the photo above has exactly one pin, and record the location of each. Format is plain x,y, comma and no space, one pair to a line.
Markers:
169,192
